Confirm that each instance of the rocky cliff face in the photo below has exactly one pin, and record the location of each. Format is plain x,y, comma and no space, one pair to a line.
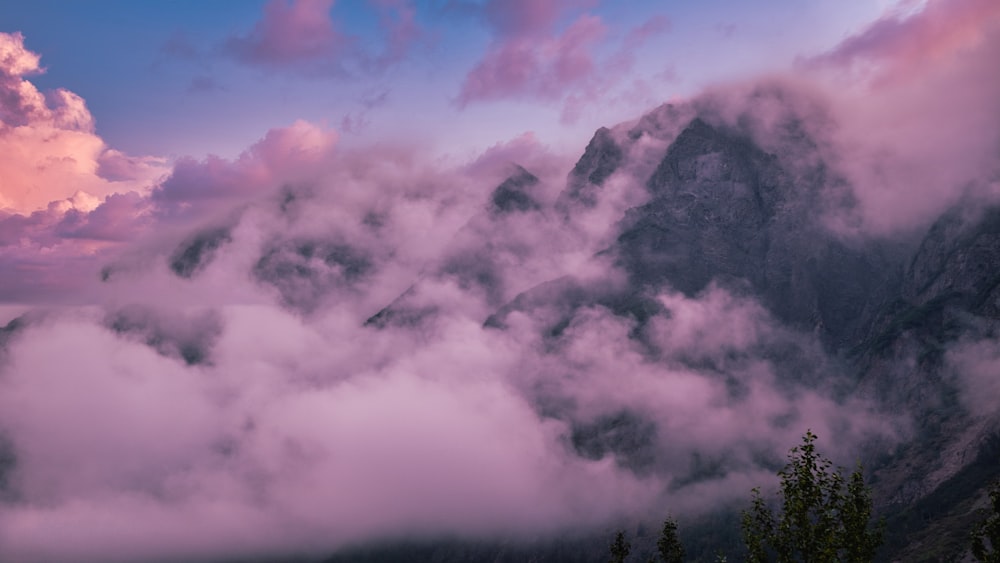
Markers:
723,211
915,362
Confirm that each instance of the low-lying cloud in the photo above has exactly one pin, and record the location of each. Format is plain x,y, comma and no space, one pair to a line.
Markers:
243,407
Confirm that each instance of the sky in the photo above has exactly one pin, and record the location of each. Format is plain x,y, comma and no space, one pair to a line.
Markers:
191,78
203,203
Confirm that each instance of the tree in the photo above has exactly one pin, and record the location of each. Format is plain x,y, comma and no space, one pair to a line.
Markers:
986,536
620,549
824,517
669,545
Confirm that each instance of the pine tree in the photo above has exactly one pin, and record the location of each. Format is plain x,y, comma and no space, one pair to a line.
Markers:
620,549
824,518
669,545
986,536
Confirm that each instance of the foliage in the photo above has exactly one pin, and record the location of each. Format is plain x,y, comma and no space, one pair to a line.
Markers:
824,517
986,536
620,549
669,545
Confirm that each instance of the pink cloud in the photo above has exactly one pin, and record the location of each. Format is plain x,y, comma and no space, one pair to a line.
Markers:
510,18
528,67
22,104
284,154
920,130
530,59
302,35
48,148
499,161
119,218
614,71
61,247
501,155
15,59
289,32
68,201
901,45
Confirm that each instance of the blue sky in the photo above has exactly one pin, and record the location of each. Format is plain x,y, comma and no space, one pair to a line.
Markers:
158,81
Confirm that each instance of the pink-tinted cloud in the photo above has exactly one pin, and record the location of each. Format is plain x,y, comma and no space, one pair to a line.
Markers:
920,130
500,156
15,59
301,434
531,59
902,44
614,71
119,218
283,155
67,201
48,148
116,166
63,246
538,68
290,31
302,36
22,104
512,18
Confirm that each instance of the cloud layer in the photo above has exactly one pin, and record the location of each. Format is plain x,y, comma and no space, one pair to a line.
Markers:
228,395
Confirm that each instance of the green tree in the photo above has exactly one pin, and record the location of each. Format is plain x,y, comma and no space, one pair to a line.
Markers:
986,536
620,548
824,517
669,545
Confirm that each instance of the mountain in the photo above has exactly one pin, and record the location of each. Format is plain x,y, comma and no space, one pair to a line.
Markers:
722,211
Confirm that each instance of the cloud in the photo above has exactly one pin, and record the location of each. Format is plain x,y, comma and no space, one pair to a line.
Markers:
614,71
15,59
283,155
902,43
297,430
301,434
528,67
69,201
920,133
48,148
302,36
120,217
525,150
975,364
22,104
531,58
524,17
305,430
290,31
66,195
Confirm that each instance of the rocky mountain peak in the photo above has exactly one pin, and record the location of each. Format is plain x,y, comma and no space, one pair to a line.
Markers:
514,193
600,159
